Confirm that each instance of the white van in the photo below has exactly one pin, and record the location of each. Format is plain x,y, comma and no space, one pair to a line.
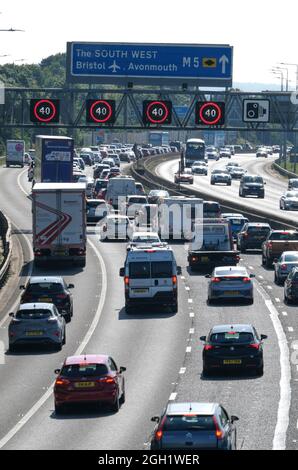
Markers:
150,278
121,186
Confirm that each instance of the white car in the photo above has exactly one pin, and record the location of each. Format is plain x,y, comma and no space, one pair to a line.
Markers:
144,238
117,227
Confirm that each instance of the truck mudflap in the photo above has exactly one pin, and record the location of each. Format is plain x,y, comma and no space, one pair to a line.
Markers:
211,259
67,254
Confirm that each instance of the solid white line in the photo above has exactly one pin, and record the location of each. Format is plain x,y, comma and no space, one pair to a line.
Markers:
79,351
173,396
297,424
188,349
280,433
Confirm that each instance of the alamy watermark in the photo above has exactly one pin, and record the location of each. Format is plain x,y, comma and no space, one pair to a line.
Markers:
2,92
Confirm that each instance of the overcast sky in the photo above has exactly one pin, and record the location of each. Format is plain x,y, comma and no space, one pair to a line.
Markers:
262,32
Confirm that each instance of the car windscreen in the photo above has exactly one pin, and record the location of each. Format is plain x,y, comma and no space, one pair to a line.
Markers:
232,272
284,236
101,184
290,258
189,422
145,239
232,337
292,194
137,200
44,288
34,314
239,222
253,179
139,270
84,370
263,230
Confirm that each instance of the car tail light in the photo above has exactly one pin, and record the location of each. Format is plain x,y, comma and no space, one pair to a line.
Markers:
57,333
215,279
208,347
104,228
61,296
174,280
62,382
254,346
194,258
37,253
246,279
237,258
283,267
158,435
218,432
126,280
107,380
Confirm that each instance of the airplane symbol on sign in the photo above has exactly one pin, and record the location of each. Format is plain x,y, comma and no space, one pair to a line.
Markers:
114,67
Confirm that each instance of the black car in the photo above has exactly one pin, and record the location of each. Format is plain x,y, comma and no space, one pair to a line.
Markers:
98,186
49,289
252,236
192,426
233,347
251,185
156,196
291,287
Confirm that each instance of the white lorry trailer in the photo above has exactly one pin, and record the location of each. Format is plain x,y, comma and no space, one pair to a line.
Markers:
15,153
59,223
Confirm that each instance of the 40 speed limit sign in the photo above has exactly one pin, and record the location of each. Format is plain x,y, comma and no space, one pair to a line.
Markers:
157,112
210,113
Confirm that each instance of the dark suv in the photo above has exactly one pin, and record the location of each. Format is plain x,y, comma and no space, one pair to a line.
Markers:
252,236
251,185
50,289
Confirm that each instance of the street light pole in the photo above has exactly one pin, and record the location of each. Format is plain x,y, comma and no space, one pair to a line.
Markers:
287,76
293,65
280,74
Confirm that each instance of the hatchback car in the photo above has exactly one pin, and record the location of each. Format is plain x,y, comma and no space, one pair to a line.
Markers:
156,196
200,168
233,347
144,238
117,227
89,379
205,426
262,152
289,201
36,323
184,176
97,209
291,287
49,289
293,184
284,265
252,236
230,282
221,177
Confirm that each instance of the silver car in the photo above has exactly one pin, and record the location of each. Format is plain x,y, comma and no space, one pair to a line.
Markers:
205,426
221,177
284,265
36,323
289,201
230,282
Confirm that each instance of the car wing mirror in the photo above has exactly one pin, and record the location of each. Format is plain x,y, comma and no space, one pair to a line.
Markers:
208,276
155,419
70,286
121,272
179,270
234,418
203,338
11,314
264,337
22,287
57,371
122,369
252,276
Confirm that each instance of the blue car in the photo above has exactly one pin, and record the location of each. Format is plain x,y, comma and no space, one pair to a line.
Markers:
237,221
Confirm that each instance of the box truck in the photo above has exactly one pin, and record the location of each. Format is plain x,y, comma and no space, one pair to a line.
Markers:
15,152
53,159
59,223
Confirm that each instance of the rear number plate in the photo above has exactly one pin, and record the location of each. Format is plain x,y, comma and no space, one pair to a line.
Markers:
232,362
140,291
204,259
231,292
84,384
34,333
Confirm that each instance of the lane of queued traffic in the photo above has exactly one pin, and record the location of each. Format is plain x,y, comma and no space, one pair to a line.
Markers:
273,189
150,344
27,374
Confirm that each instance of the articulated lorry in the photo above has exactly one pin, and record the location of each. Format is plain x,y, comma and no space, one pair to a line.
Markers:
15,153
59,223
53,159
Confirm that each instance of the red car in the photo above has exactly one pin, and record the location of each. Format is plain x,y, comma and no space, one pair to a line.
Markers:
185,176
89,379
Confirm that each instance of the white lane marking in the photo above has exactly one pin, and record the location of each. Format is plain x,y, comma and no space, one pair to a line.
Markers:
173,396
79,351
191,331
282,423
284,314
261,277
251,267
269,287
20,185
182,277
291,329
182,370
277,299
190,301
297,424
191,314
188,349
187,288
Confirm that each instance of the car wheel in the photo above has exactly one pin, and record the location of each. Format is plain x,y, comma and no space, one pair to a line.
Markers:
229,184
122,399
242,249
68,317
58,347
263,260
12,348
174,308
268,263
64,338
260,371
206,372
58,409
129,310
210,301
115,406
250,301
